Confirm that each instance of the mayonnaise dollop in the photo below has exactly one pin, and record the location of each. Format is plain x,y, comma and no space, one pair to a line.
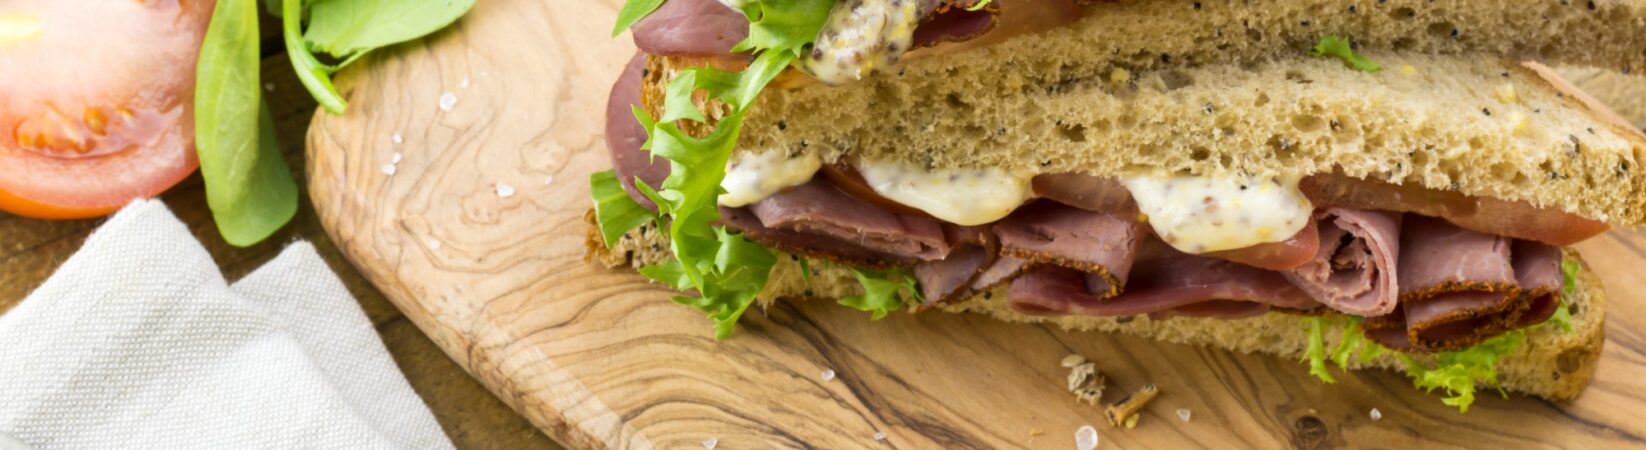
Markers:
1200,214
960,196
751,177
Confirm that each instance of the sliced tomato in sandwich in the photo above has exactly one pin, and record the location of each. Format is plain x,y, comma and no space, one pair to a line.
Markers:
848,179
96,102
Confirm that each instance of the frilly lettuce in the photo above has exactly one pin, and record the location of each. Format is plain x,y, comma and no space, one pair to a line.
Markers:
726,270
883,292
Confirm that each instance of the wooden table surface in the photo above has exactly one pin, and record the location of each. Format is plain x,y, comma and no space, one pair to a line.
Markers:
30,250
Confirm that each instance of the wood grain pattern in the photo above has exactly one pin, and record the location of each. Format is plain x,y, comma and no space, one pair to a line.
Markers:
601,358
31,250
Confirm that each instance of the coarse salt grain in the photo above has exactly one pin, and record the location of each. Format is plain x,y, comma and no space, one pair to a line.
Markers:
464,84
548,179
711,443
828,374
434,244
1183,413
395,159
388,169
1376,415
881,436
396,138
1085,438
504,190
447,101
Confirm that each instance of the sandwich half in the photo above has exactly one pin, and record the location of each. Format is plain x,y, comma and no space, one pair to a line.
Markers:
1367,184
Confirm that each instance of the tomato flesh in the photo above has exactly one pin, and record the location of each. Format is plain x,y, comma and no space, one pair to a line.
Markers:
848,179
96,102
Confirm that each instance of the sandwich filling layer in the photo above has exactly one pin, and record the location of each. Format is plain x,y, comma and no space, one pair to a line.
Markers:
1428,270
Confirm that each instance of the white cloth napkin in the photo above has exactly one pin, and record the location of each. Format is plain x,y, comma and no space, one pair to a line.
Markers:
138,342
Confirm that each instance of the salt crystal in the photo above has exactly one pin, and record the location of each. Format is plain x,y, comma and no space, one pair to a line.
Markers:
447,101
504,190
434,244
396,138
1085,438
1183,413
828,374
395,159
388,169
881,436
268,87
1376,415
711,443
548,179
464,84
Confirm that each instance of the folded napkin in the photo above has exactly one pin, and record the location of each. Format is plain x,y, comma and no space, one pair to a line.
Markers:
138,342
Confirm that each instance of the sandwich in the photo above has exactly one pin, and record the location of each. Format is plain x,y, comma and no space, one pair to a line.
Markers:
1391,184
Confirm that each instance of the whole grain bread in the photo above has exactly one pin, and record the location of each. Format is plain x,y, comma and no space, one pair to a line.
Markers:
1552,364
1478,124
1226,87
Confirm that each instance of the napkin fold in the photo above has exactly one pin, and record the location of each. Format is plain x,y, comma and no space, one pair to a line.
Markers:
137,341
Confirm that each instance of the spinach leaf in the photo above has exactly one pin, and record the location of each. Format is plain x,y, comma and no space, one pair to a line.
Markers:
248,184
314,75
348,29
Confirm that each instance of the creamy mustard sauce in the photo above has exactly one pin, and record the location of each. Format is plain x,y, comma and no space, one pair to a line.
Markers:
1198,214
959,196
751,177
861,36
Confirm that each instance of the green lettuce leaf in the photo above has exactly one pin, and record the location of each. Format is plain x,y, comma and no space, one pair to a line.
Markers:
1563,316
783,26
668,272
1341,48
1462,372
1315,353
633,11
883,292
726,270
1352,338
613,209
805,271
732,278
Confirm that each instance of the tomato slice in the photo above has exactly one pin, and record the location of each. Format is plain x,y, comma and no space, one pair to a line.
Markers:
96,102
848,179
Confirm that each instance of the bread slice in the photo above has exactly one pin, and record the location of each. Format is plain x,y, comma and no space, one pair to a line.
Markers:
1219,88
1477,124
1553,364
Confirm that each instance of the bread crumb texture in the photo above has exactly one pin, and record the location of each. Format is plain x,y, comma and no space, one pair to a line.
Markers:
1156,85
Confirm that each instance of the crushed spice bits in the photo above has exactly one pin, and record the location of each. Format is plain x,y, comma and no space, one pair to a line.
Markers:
1084,381
1125,412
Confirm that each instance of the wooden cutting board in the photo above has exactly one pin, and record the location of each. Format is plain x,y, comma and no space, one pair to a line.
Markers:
600,358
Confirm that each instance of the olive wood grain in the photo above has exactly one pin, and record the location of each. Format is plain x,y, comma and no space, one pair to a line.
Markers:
601,358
